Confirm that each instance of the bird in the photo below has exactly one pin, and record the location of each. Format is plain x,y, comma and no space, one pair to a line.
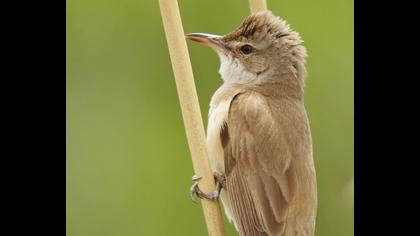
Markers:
258,135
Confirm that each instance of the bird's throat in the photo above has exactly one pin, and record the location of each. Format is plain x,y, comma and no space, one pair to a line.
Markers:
232,70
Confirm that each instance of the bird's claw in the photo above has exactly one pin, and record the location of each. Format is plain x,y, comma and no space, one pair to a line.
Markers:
195,190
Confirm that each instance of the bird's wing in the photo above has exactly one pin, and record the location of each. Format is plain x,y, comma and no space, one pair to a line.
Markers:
258,150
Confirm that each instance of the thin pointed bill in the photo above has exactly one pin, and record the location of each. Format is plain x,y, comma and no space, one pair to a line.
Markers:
210,40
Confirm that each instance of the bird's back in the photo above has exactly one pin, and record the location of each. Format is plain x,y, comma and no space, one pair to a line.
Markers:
259,138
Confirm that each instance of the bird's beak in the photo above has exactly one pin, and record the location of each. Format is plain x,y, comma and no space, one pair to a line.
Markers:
210,40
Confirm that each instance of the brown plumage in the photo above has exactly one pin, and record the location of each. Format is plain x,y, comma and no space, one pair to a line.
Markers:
258,133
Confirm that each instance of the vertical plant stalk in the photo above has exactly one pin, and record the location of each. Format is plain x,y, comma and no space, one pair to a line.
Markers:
191,114
258,5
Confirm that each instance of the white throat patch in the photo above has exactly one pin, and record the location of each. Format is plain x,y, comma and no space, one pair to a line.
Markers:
232,70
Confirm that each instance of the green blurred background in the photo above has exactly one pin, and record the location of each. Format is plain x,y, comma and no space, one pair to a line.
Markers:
128,163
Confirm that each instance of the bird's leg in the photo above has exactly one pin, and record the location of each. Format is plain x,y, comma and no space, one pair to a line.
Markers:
220,179
220,183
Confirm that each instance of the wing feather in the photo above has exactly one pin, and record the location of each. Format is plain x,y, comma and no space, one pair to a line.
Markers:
258,155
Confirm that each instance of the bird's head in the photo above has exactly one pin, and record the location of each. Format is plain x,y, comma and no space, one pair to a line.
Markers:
263,49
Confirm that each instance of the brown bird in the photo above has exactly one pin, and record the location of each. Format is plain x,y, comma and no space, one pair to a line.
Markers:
258,133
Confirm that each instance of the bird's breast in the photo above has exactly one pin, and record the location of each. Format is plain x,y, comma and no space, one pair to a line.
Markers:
218,115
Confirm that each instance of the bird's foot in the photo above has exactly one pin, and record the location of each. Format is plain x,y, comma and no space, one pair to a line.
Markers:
214,196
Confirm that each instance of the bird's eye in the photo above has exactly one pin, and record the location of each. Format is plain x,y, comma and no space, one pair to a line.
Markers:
246,49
